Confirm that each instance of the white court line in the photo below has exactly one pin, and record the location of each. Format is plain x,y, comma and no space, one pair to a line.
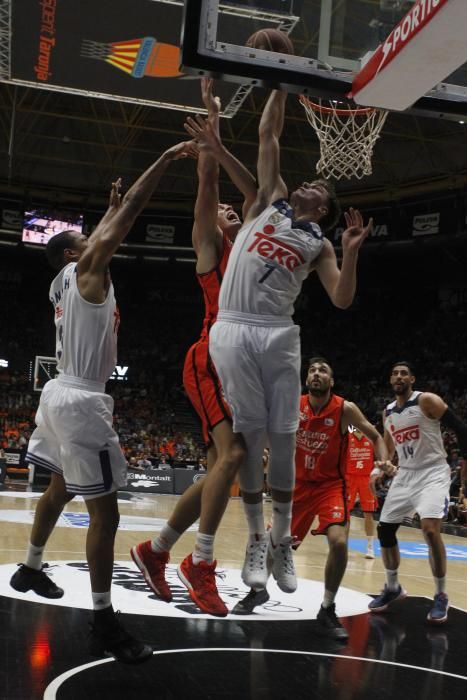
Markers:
51,690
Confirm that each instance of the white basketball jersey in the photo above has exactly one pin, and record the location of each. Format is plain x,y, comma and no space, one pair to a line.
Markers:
268,263
417,439
86,334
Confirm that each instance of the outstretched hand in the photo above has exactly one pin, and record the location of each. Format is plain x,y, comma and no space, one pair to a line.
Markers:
203,132
212,103
115,198
387,467
184,149
356,232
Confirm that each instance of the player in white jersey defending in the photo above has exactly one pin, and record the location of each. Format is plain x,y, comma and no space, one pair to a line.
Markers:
74,437
256,347
412,429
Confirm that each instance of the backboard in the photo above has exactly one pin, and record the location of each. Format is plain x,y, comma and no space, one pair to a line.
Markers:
333,40
45,368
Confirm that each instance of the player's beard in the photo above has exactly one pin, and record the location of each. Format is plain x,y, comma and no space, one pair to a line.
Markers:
317,390
402,389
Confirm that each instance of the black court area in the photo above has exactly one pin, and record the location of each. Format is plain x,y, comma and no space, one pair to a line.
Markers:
396,655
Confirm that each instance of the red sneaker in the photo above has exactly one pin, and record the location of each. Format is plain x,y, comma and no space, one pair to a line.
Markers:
201,583
152,566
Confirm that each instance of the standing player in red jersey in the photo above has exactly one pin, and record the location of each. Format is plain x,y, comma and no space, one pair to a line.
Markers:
320,489
215,228
360,463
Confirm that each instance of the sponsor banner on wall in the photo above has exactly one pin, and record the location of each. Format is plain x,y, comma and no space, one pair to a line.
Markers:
153,228
379,232
156,233
12,219
14,458
126,49
426,224
153,481
452,297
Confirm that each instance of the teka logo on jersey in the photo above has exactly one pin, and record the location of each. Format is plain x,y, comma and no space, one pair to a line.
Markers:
274,250
412,432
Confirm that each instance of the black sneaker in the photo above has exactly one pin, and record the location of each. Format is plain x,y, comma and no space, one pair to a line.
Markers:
27,579
330,625
249,603
112,639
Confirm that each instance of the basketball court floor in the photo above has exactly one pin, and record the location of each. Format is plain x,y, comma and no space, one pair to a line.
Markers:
276,652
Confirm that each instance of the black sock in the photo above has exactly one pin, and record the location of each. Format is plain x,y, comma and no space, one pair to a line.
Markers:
104,617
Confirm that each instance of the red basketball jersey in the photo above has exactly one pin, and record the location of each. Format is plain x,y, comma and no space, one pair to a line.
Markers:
321,447
211,284
360,455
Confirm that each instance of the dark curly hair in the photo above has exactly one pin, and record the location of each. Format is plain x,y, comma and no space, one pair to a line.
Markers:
56,247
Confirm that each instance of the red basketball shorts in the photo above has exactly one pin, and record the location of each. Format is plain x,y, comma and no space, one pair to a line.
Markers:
359,484
325,499
204,389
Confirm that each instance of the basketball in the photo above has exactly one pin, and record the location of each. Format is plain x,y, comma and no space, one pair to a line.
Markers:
271,39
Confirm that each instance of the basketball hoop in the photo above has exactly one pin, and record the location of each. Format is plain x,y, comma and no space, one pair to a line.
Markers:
346,136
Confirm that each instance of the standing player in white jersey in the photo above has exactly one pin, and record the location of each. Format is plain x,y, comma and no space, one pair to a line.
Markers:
412,429
74,437
256,347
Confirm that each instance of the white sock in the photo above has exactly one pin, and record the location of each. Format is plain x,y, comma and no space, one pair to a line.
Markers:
165,540
255,520
34,557
440,584
329,598
392,579
204,549
101,600
281,520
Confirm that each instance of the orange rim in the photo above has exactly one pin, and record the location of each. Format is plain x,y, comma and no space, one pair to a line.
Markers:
334,110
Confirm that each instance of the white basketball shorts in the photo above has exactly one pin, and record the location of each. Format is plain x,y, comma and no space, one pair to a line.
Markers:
259,369
74,437
424,491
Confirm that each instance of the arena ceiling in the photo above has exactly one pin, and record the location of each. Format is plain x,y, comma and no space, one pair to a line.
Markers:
67,148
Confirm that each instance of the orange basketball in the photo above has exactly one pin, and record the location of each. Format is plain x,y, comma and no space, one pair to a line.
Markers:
271,39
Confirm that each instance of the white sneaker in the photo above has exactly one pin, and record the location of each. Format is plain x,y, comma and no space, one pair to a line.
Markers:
283,568
255,571
369,552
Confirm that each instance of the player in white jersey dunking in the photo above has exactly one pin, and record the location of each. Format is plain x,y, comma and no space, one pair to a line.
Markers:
74,437
412,429
256,347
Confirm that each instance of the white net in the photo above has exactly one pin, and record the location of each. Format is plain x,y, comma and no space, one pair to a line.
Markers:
346,136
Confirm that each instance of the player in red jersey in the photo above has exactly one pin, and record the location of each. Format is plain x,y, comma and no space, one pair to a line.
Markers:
360,463
320,488
215,228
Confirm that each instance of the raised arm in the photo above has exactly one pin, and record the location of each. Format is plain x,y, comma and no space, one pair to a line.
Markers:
270,182
206,133
206,235
340,284
116,224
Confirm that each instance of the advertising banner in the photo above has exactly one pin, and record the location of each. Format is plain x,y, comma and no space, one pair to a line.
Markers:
123,49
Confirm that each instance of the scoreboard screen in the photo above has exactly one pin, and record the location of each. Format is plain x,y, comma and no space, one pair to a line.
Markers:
40,225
